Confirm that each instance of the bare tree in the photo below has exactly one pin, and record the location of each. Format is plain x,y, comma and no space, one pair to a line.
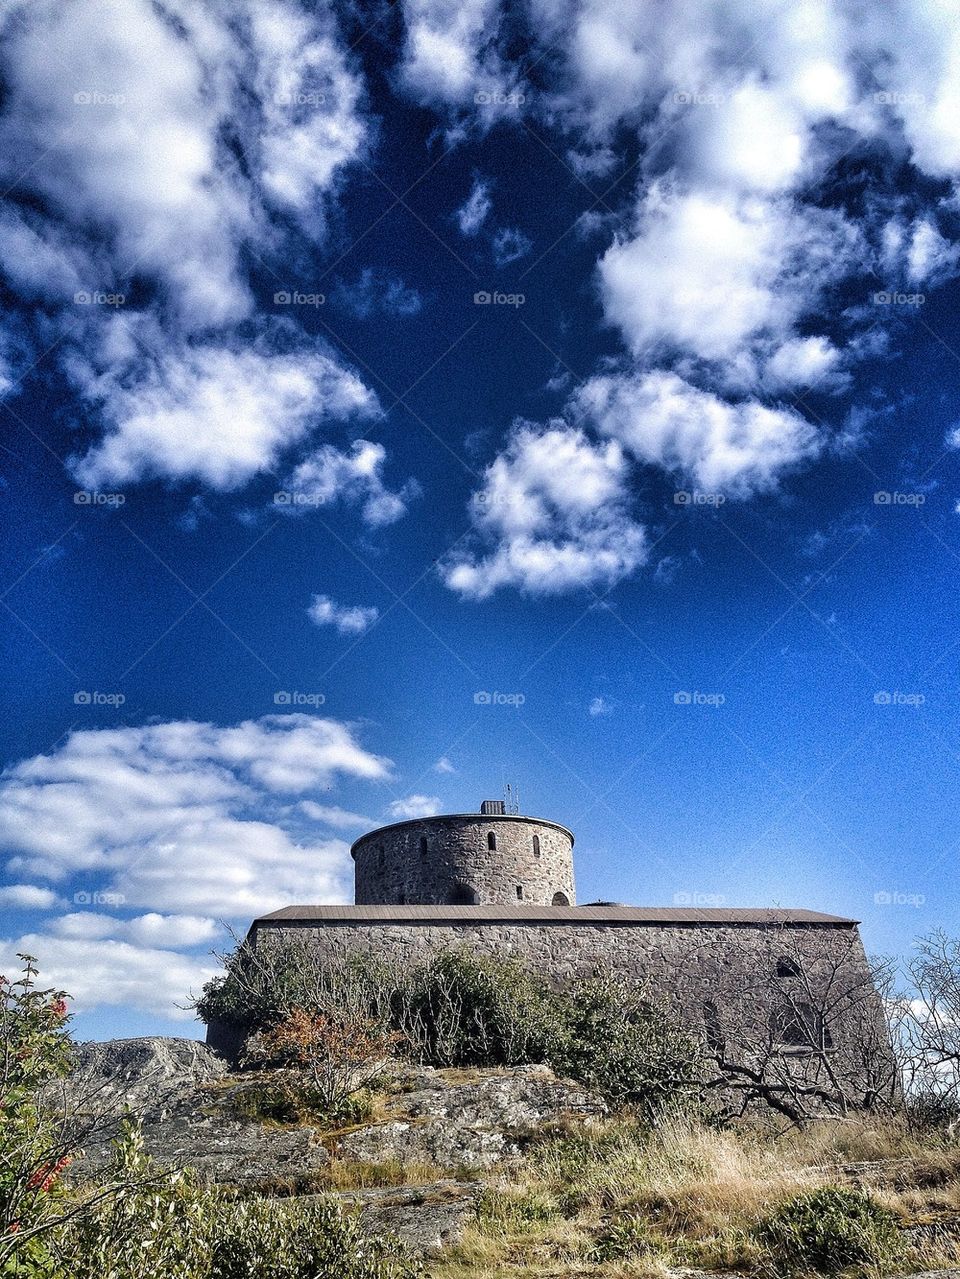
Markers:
804,1032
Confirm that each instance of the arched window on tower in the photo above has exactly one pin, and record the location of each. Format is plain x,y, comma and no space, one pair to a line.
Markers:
561,899
423,845
787,967
519,892
536,845
491,841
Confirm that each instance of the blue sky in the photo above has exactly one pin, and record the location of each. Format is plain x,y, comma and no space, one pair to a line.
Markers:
283,495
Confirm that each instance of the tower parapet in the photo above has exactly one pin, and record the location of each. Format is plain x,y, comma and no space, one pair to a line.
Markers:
465,859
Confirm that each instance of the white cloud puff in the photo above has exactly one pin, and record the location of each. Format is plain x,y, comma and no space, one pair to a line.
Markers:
184,818
98,972
475,210
553,509
414,806
218,413
347,619
329,475
28,897
720,279
730,447
122,179
732,287
141,115
450,50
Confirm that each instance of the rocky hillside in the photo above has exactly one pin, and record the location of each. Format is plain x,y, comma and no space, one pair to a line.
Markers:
511,1172
432,1123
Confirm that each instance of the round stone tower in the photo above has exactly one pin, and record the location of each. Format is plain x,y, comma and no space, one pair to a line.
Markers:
466,859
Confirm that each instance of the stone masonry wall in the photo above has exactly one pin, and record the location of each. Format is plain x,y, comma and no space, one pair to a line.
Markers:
730,981
457,865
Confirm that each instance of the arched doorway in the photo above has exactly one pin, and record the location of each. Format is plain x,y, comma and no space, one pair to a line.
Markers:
461,894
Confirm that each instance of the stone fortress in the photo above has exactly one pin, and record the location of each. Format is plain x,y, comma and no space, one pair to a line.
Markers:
755,984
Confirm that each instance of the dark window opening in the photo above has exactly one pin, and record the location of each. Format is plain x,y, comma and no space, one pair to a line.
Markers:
491,841
519,892
711,1022
461,895
800,1028
423,845
536,845
561,899
401,899
787,967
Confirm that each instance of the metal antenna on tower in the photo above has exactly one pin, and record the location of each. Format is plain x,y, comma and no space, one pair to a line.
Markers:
511,798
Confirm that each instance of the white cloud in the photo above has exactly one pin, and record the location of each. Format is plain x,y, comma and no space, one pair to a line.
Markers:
443,765
370,295
333,816
28,897
414,806
805,362
122,176
509,245
720,279
347,619
312,126
253,403
106,972
329,475
915,253
733,285
734,448
450,50
599,706
474,212
176,931
140,115
182,817
553,512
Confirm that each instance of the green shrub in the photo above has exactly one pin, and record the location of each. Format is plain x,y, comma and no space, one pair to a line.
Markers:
284,1099
166,1225
284,1240
621,1239
614,1040
516,1212
35,1146
828,1231
459,1009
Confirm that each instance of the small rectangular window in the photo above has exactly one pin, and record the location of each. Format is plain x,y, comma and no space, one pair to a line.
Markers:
519,892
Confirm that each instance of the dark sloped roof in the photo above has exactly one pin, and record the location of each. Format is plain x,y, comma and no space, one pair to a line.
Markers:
531,914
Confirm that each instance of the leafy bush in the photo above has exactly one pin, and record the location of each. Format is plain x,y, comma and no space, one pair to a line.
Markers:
284,1099
827,1231
621,1239
35,1053
458,1009
613,1039
330,1057
166,1225
452,1009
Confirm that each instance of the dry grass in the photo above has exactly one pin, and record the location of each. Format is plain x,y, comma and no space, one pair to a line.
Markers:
688,1195
345,1174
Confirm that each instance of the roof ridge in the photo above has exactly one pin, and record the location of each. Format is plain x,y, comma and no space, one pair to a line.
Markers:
531,913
